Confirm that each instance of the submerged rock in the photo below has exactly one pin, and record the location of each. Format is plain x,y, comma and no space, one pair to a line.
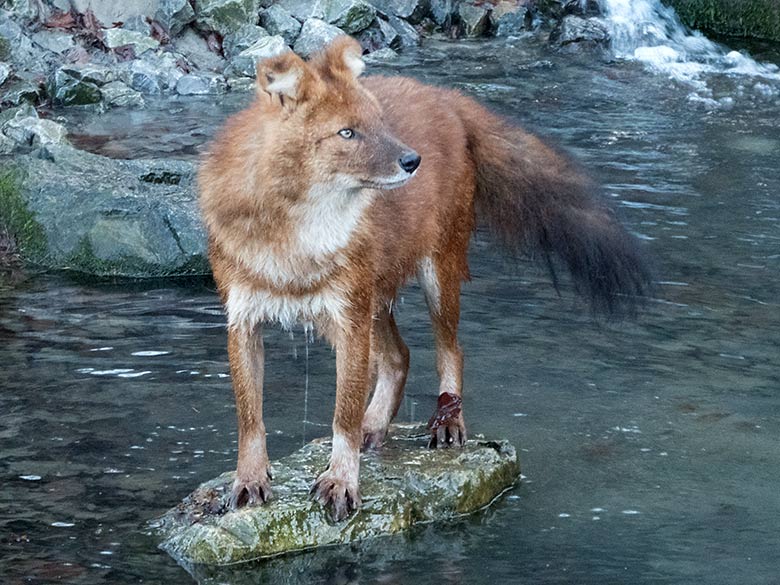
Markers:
406,483
104,216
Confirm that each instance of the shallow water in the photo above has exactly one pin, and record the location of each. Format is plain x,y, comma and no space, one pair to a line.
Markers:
649,449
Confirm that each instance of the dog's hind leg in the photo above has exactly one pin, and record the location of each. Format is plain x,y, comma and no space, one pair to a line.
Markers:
440,278
390,358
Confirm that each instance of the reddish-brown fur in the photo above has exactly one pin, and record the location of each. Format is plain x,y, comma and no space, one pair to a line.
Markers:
280,245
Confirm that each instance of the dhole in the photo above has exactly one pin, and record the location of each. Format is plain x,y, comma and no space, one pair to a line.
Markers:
329,192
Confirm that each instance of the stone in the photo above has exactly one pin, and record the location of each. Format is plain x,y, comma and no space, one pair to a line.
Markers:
67,88
28,11
245,63
33,131
225,16
90,72
442,12
574,29
5,72
174,15
303,10
378,36
53,40
351,16
404,484
120,37
512,23
154,73
411,10
22,91
245,37
109,12
407,34
474,19
197,51
117,94
112,217
201,84
381,56
315,34
277,21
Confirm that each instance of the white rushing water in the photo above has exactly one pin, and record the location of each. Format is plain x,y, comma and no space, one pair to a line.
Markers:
649,32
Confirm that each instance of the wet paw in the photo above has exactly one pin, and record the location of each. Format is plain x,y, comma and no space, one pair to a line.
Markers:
446,425
250,492
337,495
373,440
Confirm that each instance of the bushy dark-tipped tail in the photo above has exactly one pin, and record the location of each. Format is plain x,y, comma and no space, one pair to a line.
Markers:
537,202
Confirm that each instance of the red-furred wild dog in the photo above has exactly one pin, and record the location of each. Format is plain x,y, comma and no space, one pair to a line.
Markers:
325,195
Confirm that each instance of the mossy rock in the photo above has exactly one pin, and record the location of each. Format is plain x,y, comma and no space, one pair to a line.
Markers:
745,18
16,219
404,484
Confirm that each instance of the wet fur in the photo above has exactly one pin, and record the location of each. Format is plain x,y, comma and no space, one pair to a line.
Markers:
298,232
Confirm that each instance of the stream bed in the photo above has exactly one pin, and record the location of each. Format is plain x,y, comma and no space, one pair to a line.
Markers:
649,448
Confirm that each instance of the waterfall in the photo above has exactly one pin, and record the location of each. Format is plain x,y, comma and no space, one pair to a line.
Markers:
651,33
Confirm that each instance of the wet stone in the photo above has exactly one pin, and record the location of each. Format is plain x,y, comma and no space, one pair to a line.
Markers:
225,16
315,34
118,94
5,72
407,34
174,15
403,484
242,39
351,16
201,84
119,37
474,19
245,63
574,29
68,89
277,21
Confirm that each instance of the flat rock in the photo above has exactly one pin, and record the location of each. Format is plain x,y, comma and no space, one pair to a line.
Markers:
404,484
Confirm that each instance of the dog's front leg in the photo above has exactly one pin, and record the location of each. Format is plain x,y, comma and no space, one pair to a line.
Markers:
337,487
253,481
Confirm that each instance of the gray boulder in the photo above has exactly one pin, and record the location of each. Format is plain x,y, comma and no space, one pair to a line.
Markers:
407,34
154,74
119,95
244,38
245,63
351,16
203,83
277,21
380,35
303,10
5,72
120,37
474,18
22,91
380,56
406,484
109,217
197,51
25,129
588,32
174,15
443,11
315,34
412,10
53,40
67,88
225,16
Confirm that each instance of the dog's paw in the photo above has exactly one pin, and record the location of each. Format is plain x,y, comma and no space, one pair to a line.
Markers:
250,491
446,425
339,496
373,440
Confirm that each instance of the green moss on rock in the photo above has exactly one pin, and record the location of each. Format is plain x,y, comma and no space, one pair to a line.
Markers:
16,219
404,484
746,18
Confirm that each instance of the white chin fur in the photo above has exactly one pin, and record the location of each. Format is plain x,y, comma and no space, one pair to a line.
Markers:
392,182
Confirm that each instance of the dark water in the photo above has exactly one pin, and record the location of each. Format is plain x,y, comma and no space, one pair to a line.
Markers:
649,449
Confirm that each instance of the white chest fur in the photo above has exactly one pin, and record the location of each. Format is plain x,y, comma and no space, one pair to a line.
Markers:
246,307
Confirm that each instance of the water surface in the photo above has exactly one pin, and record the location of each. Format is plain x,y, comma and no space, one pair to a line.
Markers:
649,449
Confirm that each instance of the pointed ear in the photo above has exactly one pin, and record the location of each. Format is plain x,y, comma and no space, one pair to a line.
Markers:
344,56
285,77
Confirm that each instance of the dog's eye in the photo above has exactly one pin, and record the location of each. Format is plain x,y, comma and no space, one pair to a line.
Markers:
347,133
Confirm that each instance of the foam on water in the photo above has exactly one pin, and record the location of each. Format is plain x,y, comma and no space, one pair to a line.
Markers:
649,32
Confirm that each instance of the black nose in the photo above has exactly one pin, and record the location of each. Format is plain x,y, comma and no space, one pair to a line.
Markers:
410,161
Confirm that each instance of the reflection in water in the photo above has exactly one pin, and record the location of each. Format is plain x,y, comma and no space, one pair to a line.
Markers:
649,448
